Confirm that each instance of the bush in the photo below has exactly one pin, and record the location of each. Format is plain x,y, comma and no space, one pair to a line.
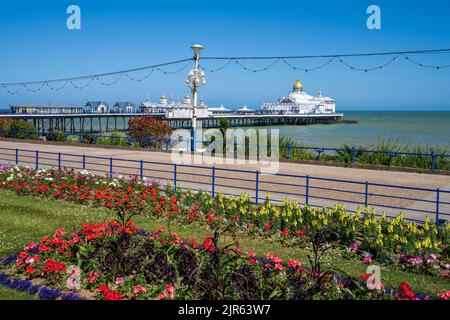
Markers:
21,129
73,139
148,132
4,125
118,139
87,138
58,136
103,140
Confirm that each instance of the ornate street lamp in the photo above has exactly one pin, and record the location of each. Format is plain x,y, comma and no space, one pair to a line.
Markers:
195,79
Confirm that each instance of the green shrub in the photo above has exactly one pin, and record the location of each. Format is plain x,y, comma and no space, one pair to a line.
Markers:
73,139
295,152
103,140
118,139
58,136
21,129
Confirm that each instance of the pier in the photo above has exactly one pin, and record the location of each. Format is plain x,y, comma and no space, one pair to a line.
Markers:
105,122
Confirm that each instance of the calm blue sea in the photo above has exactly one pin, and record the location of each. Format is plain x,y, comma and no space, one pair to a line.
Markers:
403,127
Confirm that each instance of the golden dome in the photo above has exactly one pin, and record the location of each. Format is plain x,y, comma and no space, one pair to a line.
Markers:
298,85
163,97
187,96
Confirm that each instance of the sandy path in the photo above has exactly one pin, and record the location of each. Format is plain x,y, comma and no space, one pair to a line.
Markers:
281,186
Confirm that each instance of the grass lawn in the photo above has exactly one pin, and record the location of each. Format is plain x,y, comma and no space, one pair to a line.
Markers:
26,219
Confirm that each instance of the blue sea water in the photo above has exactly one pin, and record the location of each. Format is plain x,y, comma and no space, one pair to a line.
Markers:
402,127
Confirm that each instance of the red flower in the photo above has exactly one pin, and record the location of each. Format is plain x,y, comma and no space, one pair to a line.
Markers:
267,226
111,295
208,244
445,295
285,233
103,288
300,233
406,290
30,269
52,266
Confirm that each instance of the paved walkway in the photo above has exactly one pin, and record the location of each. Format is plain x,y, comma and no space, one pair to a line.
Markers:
321,192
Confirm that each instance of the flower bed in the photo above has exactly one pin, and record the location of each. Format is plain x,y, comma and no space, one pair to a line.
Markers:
419,248
111,261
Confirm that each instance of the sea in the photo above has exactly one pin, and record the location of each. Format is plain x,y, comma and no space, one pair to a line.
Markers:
406,128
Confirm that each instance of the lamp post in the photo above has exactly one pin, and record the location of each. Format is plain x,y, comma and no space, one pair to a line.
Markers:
195,79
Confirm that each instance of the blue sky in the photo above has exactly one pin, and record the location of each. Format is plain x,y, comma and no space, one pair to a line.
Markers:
124,34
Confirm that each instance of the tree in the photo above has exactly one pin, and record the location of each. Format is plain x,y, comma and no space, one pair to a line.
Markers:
224,124
4,125
147,132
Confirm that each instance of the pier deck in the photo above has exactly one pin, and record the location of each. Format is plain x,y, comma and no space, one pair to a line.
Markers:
104,122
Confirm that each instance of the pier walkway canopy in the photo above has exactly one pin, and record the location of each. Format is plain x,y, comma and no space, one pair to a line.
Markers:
46,109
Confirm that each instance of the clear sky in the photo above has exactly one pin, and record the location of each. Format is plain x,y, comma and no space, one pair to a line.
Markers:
114,35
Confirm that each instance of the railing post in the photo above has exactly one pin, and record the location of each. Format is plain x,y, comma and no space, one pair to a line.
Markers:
257,187
59,161
84,162
110,167
437,205
213,182
307,191
433,160
17,156
366,195
141,169
175,175
289,152
353,155
37,159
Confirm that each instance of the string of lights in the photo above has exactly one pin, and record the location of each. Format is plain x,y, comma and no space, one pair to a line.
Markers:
35,86
310,69
16,87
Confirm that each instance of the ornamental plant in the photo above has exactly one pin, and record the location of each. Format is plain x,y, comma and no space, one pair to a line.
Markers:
387,240
146,131
118,262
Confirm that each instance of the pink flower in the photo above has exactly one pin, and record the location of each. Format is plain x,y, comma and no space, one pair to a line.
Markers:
59,233
367,260
294,263
139,289
30,246
162,296
251,254
92,276
170,290
353,247
29,260
279,267
119,281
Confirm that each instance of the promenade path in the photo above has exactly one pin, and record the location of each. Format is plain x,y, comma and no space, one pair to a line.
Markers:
415,204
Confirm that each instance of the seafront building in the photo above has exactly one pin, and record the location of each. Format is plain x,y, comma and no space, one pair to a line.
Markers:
300,102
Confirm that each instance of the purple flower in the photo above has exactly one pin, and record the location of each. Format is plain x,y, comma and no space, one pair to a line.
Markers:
49,294
71,296
9,259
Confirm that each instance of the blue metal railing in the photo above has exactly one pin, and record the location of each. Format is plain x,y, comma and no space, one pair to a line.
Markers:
354,153
414,202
